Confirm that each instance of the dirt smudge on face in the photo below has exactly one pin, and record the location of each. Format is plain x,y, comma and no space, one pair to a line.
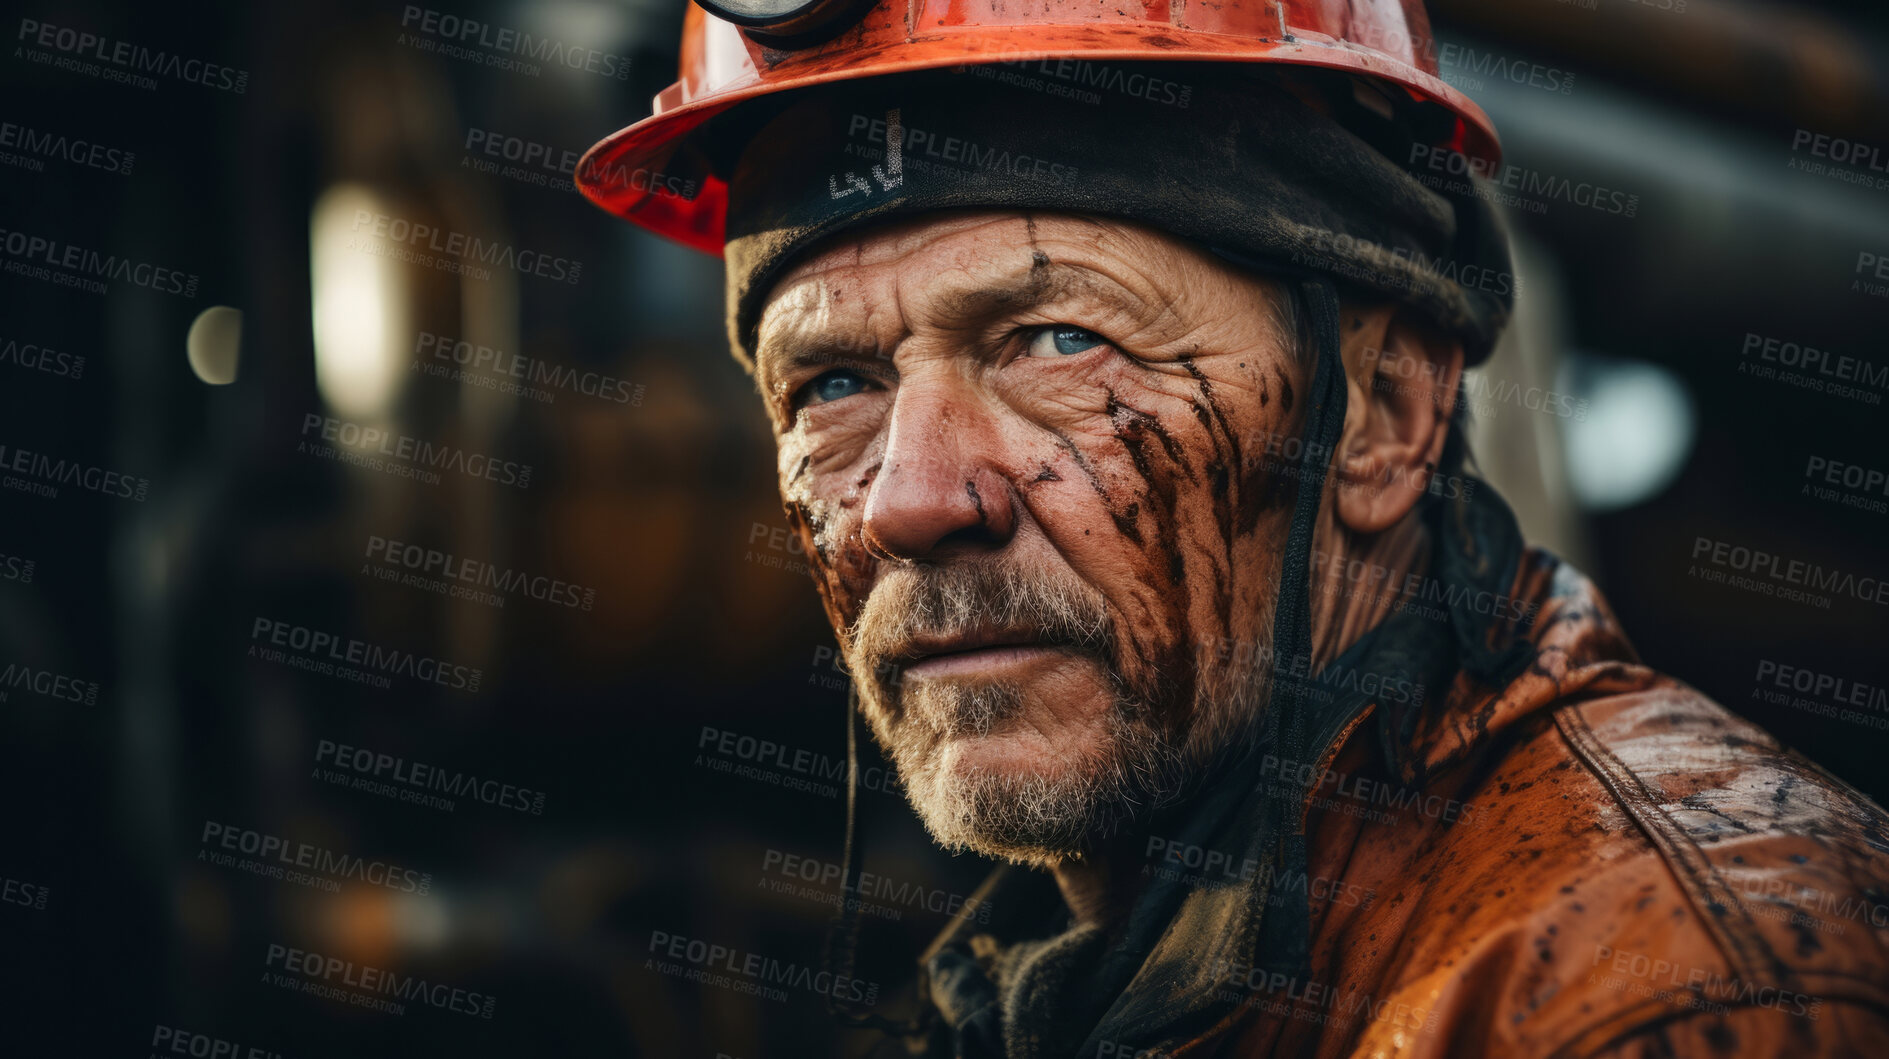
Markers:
1125,521
841,585
853,495
1164,468
1227,454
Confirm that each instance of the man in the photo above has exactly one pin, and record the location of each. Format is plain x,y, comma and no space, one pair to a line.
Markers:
1114,403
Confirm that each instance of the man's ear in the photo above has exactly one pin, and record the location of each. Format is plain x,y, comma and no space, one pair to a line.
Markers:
1403,375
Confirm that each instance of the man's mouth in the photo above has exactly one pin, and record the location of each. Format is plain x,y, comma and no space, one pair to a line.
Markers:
975,653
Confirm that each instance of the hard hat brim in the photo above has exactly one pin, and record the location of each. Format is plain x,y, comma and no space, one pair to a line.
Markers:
623,173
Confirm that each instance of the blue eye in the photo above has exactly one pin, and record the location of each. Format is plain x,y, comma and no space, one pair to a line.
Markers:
1062,341
831,387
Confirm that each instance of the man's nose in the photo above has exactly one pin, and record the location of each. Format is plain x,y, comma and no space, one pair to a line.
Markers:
936,493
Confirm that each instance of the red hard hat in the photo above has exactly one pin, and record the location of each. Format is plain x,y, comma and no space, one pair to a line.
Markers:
724,64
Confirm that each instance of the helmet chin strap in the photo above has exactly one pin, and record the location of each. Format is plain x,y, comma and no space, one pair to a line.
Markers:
842,937
1285,935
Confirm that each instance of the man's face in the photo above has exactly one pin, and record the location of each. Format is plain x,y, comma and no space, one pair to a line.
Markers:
1035,460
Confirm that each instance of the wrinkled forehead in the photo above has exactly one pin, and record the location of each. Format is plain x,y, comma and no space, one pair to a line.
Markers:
861,293
947,244
961,261
874,245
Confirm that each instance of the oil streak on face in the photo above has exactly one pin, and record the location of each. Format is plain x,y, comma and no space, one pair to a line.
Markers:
1037,512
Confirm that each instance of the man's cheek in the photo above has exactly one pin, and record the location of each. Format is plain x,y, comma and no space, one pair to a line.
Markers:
836,555
1150,628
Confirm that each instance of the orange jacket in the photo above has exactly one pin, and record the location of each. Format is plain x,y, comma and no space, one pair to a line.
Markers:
1643,873
1594,859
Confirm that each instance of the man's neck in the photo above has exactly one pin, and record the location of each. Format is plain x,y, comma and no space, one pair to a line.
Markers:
1358,581
1102,886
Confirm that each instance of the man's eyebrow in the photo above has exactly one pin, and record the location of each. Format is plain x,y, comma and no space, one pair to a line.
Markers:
793,347
1044,281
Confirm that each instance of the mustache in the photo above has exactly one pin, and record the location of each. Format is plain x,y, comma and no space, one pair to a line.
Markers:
928,601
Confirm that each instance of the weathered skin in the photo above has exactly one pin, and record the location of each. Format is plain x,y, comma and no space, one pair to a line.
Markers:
1618,866
1149,466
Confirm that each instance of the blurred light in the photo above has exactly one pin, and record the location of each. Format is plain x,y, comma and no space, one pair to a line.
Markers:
1635,436
422,922
359,304
214,345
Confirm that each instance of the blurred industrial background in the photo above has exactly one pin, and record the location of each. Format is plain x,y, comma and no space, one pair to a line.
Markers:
1622,417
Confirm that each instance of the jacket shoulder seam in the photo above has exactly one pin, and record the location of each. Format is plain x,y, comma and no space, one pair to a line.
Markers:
1714,903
